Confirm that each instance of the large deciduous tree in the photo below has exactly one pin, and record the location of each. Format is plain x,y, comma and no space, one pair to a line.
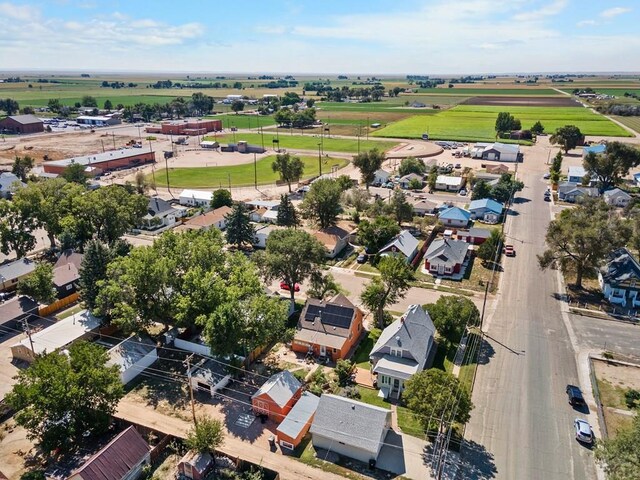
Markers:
450,315
368,163
582,237
375,234
22,166
568,137
15,230
609,168
487,250
221,198
620,455
240,231
76,173
65,400
388,288
411,165
321,204
400,208
289,168
39,284
206,436
447,398
506,122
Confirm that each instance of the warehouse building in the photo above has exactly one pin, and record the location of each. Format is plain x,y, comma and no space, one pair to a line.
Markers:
98,120
104,162
187,127
21,124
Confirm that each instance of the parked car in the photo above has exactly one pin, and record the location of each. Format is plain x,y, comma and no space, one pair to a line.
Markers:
388,185
584,433
509,251
284,286
546,176
575,395
362,258
457,166
462,192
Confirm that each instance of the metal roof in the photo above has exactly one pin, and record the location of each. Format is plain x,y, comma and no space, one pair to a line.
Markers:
280,387
455,213
25,119
99,157
196,195
300,414
487,203
130,351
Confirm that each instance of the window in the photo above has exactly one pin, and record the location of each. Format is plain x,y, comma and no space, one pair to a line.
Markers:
69,287
286,445
396,352
433,268
447,269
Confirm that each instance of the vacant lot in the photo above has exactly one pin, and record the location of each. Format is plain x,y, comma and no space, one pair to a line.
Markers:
477,123
520,101
614,380
239,175
244,121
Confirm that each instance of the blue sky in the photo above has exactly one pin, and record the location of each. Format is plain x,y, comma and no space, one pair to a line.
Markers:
335,36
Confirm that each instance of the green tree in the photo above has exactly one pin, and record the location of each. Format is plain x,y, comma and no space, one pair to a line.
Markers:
568,137
240,231
321,204
75,173
451,313
411,165
22,166
108,105
343,371
432,179
291,257
556,168
237,106
65,400
322,285
15,230
287,214
537,128
415,184
609,168
620,455
9,105
206,436
400,208
290,168
356,198
39,284
582,237
54,105
89,101
505,188
93,269
439,387
141,184
345,182
388,288
221,198
487,250
481,190
368,163
504,123
374,235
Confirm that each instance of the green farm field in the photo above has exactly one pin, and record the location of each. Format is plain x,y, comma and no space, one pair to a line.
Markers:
306,142
239,175
631,122
477,123
472,92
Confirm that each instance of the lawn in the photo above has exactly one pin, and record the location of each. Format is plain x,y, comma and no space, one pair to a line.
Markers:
472,92
238,175
361,356
307,142
407,422
477,123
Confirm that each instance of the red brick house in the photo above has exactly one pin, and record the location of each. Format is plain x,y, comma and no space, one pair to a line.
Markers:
277,396
328,329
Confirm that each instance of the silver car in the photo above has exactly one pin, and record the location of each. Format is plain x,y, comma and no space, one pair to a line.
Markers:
584,433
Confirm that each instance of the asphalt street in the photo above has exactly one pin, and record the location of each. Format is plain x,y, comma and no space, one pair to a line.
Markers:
598,335
521,426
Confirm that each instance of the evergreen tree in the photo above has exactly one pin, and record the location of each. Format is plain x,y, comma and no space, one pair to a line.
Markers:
93,268
287,214
239,228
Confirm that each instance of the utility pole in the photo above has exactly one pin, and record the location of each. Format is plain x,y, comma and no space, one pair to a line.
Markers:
26,323
319,160
193,405
166,171
255,171
102,143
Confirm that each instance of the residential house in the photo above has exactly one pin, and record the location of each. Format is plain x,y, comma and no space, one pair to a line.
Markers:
80,326
298,421
9,184
486,210
422,206
578,194
195,198
502,152
262,233
66,273
616,197
474,235
381,176
597,149
455,217
263,211
402,350
277,396
404,244
12,272
445,256
328,328
121,459
350,428
14,312
619,278
212,219
449,183
334,239
499,169
405,182
576,174
160,214
133,356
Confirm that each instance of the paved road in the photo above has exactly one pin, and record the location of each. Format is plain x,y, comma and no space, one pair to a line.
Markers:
600,335
521,426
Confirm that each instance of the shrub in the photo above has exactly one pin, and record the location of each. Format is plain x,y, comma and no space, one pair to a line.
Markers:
351,392
632,398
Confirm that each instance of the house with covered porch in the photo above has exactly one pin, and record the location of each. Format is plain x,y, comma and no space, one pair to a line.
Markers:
619,279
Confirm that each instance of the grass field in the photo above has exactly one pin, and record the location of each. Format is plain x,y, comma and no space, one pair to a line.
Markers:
477,123
631,122
307,142
238,175
472,92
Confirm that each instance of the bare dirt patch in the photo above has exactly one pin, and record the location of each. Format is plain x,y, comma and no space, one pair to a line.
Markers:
530,101
15,450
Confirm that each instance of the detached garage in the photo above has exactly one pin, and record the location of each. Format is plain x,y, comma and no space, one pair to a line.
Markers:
133,356
297,423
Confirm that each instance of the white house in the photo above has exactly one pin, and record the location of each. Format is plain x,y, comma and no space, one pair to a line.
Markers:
381,176
448,183
616,197
195,198
576,174
160,214
262,233
485,209
133,356
619,279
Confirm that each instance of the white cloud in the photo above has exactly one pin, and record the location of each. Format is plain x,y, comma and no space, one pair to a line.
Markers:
271,29
18,12
549,10
614,12
586,23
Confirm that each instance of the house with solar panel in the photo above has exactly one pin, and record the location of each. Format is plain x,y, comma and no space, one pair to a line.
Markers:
328,329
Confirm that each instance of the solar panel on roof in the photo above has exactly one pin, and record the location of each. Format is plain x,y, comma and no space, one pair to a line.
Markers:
334,315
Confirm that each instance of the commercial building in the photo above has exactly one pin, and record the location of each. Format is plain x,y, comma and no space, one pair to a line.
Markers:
21,124
98,120
187,127
195,198
104,162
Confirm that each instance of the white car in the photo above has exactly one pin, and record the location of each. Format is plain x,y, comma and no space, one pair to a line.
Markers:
584,433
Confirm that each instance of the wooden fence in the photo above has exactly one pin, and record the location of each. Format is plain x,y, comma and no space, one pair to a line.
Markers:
58,305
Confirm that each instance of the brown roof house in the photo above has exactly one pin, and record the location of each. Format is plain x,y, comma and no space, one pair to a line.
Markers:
66,273
214,218
334,238
121,459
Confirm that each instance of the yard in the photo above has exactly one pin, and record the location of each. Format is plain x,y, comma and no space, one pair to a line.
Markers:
476,123
407,422
239,175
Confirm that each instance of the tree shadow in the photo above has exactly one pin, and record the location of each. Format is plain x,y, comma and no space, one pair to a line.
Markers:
521,200
513,213
489,265
476,462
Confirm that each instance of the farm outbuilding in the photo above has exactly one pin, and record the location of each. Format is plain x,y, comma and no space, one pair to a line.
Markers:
132,356
277,396
21,124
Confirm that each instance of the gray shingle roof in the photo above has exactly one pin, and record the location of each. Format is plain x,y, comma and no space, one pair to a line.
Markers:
447,252
16,269
404,242
351,422
622,267
280,387
130,351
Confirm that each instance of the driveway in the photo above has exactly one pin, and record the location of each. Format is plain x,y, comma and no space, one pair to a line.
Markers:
404,455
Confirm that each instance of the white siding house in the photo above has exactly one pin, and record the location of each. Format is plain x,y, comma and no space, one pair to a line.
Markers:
195,198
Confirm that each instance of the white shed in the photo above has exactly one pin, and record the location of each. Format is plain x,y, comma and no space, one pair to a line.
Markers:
132,356
195,198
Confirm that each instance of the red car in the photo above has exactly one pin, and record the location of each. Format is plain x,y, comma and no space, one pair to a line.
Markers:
509,251
284,286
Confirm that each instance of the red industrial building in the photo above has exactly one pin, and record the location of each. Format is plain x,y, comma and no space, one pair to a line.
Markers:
21,124
103,162
187,127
